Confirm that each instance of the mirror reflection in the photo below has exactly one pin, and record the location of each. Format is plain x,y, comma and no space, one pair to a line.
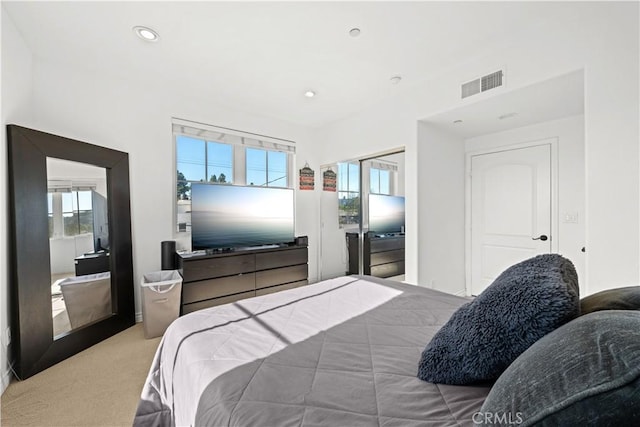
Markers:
383,182
78,244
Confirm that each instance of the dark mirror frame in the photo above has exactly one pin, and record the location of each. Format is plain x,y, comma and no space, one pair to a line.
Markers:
34,346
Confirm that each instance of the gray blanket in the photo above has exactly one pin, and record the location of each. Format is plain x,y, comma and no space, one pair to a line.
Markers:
342,352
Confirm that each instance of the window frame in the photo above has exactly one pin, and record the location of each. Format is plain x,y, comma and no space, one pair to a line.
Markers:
391,170
352,192
379,183
58,227
240,141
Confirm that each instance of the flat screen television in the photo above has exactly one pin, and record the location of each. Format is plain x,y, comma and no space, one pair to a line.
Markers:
231,216
386,214
100,213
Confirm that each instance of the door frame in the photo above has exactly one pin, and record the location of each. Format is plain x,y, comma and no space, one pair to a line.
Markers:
555,169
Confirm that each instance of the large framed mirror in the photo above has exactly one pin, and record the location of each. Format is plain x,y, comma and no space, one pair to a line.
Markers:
71,258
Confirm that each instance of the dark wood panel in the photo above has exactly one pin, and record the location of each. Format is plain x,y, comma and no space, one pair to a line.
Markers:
277,259
34,347
353,249
387,256
273,289
387,244
388,270
215,279
214,288
189,308
376,251
279,276
201,269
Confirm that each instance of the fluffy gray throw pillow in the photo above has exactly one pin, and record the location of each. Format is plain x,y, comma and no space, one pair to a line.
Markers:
526,302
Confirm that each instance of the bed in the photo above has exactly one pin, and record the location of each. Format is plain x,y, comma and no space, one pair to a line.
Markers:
340,352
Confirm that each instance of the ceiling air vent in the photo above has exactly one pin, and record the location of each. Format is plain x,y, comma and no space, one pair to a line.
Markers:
482,84
471,88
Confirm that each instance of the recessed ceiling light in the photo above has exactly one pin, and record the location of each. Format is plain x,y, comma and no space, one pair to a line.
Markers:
146,33
457,122
309,94
507,116
396,79
354,32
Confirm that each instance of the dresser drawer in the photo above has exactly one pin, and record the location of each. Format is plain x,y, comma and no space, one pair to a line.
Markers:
388,270
265,261
388,244
214,288
189,308
273,289
387,256
209,268
279,276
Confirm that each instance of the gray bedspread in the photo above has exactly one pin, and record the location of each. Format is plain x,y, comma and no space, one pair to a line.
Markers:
342,352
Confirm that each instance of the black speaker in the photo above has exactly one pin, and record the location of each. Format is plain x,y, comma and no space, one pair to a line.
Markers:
168,252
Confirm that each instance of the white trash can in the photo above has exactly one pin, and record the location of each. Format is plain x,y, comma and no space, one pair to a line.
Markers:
161,292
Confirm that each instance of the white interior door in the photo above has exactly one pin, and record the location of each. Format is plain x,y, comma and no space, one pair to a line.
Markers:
510,210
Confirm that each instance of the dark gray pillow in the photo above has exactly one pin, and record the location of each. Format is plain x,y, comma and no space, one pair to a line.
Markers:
526,302
613,299
586,373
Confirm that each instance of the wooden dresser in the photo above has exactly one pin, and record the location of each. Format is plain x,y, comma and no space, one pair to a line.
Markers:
219,278
383,255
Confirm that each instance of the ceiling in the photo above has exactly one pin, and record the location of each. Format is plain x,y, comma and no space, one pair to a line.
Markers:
261,57
552,99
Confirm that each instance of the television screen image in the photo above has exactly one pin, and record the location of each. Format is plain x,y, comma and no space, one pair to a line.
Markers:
386,214
231,216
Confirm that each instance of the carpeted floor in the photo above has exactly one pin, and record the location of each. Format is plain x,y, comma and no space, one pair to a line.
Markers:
97,387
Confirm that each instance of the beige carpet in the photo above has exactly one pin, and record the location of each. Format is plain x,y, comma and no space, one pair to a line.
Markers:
97,387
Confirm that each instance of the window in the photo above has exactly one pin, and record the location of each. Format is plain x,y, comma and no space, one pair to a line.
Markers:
380,181
69,213
348,193
198,160
266,168
381,176
214,155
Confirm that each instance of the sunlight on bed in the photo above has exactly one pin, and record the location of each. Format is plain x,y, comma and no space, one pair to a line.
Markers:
246,331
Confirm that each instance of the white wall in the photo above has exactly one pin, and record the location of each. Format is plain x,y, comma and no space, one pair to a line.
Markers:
114,113
571,187
441,196
603,39
136,119
361,136
333,249
64,250
17,105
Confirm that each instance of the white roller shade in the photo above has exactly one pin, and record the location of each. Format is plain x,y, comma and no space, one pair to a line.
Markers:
231,136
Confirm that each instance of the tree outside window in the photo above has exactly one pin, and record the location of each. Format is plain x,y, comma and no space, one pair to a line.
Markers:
201,161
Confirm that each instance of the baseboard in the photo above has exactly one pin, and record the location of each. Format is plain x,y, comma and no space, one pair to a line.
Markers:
5,380
462,293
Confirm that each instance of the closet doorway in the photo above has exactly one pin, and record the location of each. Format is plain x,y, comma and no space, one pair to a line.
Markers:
363,221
